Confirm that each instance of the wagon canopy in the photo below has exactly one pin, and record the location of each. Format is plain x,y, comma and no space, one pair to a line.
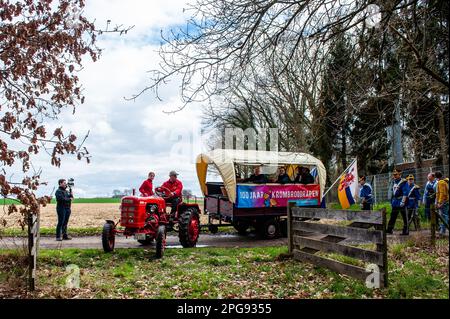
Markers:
225,159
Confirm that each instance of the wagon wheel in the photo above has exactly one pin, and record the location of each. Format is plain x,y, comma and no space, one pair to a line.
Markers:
160,241
108,237
241,227
189,224
268,229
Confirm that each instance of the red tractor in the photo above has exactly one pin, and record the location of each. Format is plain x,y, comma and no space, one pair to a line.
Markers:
146,219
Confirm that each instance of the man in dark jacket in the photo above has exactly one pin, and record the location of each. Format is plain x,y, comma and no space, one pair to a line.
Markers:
283,178
63,202
256,177
304,176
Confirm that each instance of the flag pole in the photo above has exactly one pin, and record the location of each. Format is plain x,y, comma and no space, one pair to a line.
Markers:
338,178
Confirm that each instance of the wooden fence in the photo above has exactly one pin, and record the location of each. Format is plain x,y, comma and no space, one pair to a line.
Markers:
309,233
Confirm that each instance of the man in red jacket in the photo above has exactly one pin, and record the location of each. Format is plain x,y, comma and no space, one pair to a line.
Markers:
175,187
146,188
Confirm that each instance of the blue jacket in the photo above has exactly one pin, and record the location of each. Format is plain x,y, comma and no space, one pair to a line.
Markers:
413,195
366,193
429,194
397,192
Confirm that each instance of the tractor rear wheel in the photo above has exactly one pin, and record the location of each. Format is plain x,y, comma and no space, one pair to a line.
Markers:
108,237
160,241
189,224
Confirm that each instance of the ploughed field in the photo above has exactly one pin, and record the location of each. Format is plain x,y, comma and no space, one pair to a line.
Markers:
84,215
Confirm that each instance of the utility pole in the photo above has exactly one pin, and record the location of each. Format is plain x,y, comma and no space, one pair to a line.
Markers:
395,136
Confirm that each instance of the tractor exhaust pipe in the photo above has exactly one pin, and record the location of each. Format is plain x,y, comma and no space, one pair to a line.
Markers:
134,192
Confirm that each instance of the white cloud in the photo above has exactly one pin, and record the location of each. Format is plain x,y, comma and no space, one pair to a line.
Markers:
146,16
128,138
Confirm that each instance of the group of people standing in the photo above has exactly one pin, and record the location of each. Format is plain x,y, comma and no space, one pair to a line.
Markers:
405,197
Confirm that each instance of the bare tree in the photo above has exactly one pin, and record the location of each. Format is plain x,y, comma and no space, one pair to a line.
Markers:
264,60
42,46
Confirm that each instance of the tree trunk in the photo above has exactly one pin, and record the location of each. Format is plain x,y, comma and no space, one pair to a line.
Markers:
344,145
442,137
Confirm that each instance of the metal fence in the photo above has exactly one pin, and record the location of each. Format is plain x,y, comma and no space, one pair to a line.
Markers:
380,182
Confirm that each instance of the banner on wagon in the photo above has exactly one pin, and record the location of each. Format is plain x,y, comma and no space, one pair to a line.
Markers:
252,196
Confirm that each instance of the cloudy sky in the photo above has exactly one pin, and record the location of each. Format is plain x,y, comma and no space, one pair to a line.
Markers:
129,139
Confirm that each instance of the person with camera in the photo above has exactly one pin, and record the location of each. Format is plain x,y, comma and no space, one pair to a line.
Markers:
63,202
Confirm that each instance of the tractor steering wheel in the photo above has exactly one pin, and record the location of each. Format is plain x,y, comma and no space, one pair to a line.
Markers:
163,192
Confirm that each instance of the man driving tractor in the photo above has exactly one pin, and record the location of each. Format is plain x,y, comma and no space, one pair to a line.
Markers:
175,187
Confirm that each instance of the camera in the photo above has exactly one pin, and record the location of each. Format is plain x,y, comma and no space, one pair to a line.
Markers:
71,182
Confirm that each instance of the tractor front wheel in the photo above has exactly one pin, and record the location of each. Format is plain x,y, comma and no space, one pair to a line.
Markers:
108,237
160,241
189,225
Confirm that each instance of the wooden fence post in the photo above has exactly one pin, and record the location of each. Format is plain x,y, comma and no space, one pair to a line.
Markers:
289,227
433,224
33,242
383,248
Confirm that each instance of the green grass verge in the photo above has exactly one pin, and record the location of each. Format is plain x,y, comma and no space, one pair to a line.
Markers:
230,273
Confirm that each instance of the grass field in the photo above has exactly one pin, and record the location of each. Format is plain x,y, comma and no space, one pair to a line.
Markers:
415,271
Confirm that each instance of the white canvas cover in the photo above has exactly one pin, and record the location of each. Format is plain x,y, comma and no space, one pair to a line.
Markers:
225,159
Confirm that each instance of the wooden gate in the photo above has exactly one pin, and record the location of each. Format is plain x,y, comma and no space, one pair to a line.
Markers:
315,231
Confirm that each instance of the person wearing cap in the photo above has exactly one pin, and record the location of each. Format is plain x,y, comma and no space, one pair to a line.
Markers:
410,200
429,195
396,195
442,199
365,194
146,188
175,187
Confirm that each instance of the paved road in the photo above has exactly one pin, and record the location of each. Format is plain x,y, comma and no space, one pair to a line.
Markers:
205,240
